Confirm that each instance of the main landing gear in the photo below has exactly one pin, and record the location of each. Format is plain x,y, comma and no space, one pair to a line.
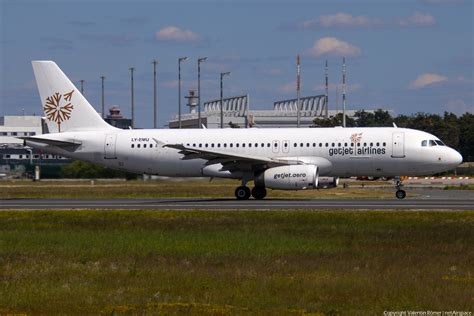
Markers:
400,194
243,193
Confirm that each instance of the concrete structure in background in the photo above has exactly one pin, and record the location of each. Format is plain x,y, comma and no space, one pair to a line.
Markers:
12,126
237,113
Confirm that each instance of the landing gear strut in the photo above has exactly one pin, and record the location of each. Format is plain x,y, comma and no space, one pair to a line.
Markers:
400,194
259,192
242,193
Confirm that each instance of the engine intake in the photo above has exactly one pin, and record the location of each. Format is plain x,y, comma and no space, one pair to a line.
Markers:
291,177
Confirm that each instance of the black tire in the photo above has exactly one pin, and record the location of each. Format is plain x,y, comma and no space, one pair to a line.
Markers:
242,193
400,194
259,193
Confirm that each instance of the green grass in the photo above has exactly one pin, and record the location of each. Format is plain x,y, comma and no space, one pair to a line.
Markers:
164,189
205,262
459,187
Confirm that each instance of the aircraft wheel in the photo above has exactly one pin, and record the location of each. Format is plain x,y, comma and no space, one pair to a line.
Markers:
242,193
400,194
259,193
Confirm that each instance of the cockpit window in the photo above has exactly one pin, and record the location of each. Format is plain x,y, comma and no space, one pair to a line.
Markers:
440,143
432,143
424,143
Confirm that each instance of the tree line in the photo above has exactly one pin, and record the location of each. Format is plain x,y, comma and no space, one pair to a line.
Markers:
455,131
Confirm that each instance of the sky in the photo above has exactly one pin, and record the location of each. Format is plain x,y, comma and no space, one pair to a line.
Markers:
404,56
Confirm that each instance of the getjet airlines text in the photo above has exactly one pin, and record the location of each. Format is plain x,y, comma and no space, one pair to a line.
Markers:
289,175
360,151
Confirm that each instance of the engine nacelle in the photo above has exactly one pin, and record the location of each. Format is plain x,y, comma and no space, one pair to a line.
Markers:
291,177
328,182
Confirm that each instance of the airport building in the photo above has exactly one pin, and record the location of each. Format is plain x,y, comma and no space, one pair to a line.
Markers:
237,113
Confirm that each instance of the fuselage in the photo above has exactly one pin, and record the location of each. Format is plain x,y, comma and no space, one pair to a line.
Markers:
338,152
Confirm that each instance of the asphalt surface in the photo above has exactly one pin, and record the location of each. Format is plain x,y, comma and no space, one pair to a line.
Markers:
232,204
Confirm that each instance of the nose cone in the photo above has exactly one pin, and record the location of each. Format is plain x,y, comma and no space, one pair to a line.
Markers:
454,158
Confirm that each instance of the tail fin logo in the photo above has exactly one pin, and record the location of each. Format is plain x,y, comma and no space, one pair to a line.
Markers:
58,107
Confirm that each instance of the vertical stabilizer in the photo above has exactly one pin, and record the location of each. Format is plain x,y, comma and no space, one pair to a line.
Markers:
64,107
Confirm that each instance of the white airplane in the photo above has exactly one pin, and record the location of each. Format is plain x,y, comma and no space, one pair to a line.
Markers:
284,158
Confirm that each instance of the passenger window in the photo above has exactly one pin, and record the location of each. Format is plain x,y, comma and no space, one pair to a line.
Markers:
295,144
345,144
263,145
231,144
250,144
327,145
219,145
307,144
365,144
332,145
285,145
243,145
144,145
378,144
237,145
301,144
314,144
320,144
371,144
133,145
339,145
424,143
384,144
256,144
225,144
138,146
276,145
212,145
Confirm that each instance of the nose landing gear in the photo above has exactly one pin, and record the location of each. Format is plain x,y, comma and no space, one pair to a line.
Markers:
400,194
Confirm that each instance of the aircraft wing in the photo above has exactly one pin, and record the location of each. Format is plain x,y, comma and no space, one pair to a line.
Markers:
230,161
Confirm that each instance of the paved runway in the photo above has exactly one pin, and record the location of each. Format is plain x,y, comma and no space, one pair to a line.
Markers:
228,204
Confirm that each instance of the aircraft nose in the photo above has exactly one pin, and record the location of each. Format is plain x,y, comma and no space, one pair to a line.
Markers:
455,158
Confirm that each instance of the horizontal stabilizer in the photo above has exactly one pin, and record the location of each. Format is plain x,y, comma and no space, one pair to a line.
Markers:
51,142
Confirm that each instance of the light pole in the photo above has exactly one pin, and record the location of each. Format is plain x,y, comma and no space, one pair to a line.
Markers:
103,99
82,87
200,60
132,96
222,98
154,62
181,59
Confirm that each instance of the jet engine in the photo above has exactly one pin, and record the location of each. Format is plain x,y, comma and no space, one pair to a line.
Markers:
291,177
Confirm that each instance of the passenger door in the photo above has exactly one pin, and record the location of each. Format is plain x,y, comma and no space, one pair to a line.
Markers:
398,145
109,146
